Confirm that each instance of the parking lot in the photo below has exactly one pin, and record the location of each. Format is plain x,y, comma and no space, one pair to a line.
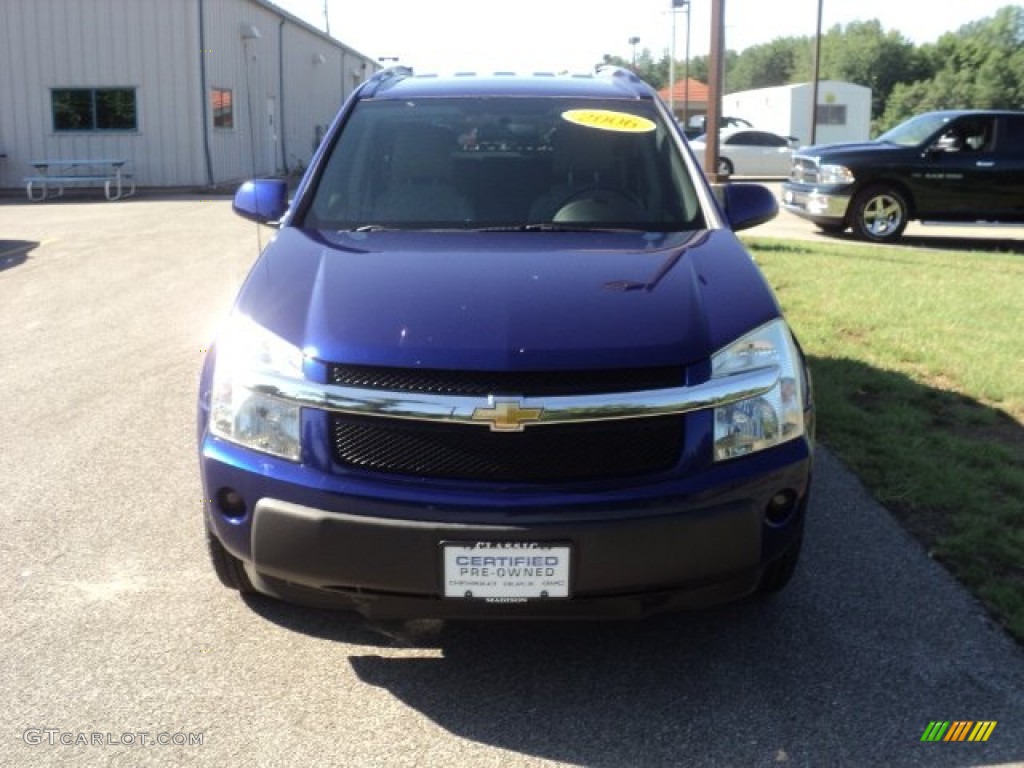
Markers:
116,634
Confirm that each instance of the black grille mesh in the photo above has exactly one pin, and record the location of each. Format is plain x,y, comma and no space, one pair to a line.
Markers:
523,383
553,453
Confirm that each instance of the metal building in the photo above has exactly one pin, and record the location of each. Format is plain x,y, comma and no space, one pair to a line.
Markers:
188,92
843,111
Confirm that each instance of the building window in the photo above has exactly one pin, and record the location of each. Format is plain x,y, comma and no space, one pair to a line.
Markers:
223,105
831,114
94,109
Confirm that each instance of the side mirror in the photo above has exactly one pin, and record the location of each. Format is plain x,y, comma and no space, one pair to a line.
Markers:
264,201
747,205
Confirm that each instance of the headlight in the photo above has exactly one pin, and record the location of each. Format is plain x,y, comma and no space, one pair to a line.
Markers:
834,174
769,419
249,418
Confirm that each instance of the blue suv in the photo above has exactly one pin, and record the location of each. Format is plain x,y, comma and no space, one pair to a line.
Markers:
505,357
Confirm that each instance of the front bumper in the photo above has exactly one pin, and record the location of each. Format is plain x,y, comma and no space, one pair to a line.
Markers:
629,557
825,206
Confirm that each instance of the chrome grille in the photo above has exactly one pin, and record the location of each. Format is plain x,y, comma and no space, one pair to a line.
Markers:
804,170
538,454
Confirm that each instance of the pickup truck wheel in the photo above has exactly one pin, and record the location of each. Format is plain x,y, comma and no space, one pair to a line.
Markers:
228,568
879,214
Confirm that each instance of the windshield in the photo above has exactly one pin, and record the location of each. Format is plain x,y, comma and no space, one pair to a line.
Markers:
504,163
915,131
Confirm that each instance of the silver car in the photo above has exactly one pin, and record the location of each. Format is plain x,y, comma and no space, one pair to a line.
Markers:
751,152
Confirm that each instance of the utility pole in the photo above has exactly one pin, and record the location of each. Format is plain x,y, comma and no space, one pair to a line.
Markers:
817,74
686,70
678,5
672,62
327,18
716,63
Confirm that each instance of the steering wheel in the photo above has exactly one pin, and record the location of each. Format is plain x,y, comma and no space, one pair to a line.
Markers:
600,204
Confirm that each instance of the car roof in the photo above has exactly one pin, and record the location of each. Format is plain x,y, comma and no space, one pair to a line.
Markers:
607,82
724,133
951,113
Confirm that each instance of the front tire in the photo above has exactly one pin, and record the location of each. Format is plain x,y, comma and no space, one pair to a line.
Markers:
880,214
229,569
779,573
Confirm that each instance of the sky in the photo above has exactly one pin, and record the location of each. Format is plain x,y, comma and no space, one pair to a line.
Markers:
559,35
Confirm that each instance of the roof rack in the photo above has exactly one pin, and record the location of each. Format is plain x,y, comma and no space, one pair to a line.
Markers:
385,78
623,77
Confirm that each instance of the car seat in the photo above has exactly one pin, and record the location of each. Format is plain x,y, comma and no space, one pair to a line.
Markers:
420,187
584,159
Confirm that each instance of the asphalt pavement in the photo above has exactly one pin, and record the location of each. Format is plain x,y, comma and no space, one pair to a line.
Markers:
115,634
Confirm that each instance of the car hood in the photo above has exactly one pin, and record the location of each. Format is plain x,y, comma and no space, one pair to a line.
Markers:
850,148
509,300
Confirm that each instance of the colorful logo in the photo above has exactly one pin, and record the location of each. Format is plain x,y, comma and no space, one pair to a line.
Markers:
507,416
958,730
607,120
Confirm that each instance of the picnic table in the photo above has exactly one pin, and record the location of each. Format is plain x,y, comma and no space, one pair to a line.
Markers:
53,175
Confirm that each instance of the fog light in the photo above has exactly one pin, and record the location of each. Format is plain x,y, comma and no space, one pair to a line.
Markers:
780,507
230,503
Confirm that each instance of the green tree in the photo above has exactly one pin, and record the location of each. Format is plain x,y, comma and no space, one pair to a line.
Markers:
616,61
763,66
979,66
863,53
700,68
654,72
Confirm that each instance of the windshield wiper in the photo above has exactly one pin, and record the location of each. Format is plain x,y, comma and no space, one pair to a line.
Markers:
414,227
555,227
545,227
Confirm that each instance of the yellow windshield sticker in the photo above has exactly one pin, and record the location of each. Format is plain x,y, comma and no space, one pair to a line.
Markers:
608,120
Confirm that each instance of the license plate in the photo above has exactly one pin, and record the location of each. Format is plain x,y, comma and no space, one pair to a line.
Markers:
506,571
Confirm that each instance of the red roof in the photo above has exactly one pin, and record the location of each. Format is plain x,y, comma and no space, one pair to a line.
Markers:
697,92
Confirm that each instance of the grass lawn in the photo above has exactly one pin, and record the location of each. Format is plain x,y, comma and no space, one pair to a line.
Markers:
917,358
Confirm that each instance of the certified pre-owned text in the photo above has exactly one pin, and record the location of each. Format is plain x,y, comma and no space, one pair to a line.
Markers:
506,565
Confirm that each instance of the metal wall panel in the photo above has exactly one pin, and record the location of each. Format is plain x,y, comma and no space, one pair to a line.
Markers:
313,93
247,65
154,47
786,109
141,44
255,50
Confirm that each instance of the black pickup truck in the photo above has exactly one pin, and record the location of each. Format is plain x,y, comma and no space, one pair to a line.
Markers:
962,166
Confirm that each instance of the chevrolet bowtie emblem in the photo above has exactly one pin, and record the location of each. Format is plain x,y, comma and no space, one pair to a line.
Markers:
507,416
